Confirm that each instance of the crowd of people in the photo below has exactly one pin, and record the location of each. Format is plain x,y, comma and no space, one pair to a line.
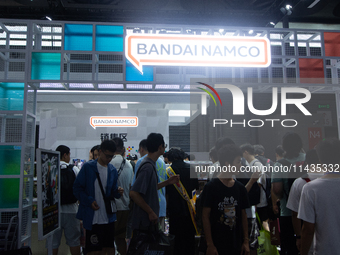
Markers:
118,199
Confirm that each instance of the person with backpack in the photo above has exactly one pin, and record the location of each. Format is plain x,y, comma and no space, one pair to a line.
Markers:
125,176
96,188
69,223
281,184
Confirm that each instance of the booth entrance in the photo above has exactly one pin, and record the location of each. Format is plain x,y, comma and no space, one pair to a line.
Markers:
45,64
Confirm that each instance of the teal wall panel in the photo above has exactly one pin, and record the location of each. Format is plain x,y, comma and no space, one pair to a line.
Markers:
109,38
78,37
11,96
45,66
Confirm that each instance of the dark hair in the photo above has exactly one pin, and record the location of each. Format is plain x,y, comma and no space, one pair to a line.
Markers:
166,154
312,157
191,157
63,149
292,145
213,154
279,150
247,147
142,144
119,143
132,157
108,145
176,153
153,142
258,149
228,153
96,147
329,151
223,141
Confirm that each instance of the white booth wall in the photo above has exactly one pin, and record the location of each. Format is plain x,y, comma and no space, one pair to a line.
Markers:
71,127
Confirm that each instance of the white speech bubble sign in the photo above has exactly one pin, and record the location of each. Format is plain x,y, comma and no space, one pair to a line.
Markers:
190,50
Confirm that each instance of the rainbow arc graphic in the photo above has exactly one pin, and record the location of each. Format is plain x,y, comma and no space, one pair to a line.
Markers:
209,93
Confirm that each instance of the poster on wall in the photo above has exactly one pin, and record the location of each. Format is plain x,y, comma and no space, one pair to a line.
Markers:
48,186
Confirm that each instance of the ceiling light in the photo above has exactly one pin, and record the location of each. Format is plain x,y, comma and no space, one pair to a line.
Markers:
110,86
123,106
287,10
313,4
111,102
251,32
179,113
48,18
42,91
272,23
167,86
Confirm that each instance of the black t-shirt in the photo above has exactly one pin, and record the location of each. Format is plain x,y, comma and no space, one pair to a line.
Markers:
226,213
176,205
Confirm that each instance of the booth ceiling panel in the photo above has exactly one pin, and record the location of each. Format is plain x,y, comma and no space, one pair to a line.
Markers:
201,12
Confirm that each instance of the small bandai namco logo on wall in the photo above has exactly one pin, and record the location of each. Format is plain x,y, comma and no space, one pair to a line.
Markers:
104,121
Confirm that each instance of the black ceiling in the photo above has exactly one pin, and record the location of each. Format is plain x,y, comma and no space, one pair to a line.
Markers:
250,13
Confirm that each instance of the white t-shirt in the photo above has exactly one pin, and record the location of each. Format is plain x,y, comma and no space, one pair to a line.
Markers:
69,208
100,216
124,180
295,195
320,205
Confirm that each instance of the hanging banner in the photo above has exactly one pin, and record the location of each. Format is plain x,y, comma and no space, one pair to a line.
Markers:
190,50
48,187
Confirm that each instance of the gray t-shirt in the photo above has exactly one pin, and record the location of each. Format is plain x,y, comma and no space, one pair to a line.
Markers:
146,185
319,204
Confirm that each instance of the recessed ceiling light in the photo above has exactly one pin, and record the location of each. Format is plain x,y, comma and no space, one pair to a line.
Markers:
179,113
313,4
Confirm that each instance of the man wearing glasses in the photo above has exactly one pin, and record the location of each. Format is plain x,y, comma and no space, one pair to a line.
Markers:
162,176
144,190
99,224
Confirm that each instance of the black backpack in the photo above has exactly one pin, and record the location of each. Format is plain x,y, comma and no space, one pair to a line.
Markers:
67,178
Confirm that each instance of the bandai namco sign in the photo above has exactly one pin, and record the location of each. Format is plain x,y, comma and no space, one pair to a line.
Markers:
191,50
113,121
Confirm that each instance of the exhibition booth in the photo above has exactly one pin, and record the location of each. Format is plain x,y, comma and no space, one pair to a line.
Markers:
78,83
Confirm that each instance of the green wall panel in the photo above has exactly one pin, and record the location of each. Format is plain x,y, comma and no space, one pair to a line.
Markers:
10,158
9,193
